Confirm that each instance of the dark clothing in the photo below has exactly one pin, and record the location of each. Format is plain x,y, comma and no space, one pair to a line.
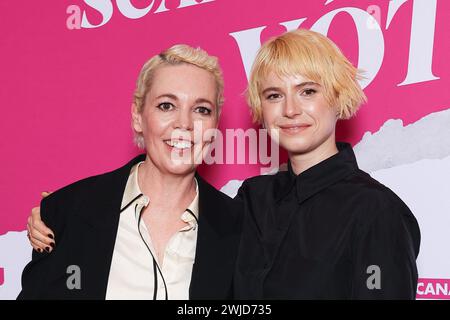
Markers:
85,216
316,236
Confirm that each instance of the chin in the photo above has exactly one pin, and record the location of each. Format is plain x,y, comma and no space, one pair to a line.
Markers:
180,169
297,145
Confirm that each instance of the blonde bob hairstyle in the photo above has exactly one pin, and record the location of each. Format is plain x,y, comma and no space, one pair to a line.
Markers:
176,55
314,56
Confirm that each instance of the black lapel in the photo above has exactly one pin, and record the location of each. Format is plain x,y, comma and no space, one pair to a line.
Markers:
218,236
101,214
217,240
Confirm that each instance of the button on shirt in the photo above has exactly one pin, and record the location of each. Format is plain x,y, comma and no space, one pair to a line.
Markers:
132,268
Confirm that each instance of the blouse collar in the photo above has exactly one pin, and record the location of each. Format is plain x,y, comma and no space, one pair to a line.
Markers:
318,177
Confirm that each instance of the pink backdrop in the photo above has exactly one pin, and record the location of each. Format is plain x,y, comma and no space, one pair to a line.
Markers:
66,94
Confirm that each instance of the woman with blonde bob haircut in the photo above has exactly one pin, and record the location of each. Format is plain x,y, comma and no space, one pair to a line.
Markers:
321,61
135,232
324,229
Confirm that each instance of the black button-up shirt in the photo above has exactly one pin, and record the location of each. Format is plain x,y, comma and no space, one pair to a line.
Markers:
332,232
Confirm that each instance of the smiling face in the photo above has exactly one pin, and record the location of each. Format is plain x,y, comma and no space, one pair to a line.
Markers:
181,97
295,111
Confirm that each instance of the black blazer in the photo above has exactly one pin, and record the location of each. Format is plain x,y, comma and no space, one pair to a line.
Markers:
85,216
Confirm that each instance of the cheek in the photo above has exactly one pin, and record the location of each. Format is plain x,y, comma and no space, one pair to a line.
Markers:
323,115
211,122
330,117
208,129
269,114
154,126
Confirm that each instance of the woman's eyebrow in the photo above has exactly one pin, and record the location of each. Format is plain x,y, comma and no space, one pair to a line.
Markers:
270,89
174,97
203,100
298,86
307,83
167,95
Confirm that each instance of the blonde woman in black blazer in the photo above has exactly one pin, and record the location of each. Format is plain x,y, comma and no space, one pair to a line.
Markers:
175,90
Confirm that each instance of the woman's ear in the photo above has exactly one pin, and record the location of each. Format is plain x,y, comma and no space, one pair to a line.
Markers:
136,118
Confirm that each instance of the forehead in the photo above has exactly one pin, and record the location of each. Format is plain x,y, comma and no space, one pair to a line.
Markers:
183,79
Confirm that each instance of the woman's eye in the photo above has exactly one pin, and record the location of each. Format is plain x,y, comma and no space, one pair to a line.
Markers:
273,96
165,106
203,110
309,92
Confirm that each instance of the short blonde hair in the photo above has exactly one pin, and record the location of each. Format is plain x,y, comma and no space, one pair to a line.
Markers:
175,55
312,55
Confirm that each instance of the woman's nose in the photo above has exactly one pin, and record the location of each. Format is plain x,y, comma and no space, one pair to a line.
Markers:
292,106
184,120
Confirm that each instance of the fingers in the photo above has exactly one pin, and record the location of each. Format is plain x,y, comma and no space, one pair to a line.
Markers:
35,222
38,245
45,194
37,248
40,236
39,242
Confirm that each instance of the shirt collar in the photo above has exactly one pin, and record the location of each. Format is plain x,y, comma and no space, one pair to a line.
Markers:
193,207
318,177
132,191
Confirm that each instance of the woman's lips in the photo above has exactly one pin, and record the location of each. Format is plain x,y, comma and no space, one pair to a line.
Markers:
179,144
294,128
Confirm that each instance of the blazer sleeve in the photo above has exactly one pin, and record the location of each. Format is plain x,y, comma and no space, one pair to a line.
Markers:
385,249
34,273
